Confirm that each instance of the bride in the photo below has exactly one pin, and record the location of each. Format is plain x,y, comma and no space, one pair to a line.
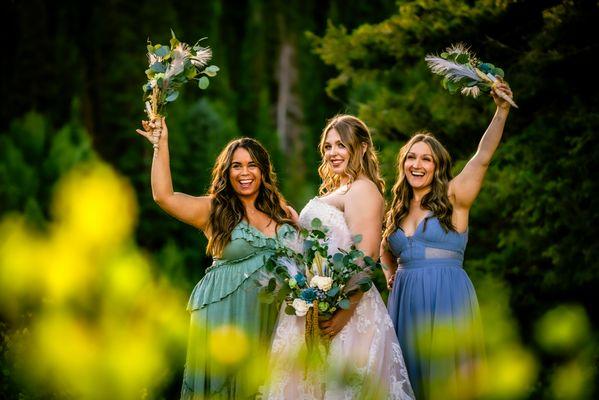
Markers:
364,359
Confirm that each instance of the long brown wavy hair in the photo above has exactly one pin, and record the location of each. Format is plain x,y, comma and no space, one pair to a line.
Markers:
353,132
436,200
227,208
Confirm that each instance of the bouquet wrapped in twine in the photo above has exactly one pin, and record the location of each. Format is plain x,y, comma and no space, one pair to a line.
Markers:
315,284
169,68
463,72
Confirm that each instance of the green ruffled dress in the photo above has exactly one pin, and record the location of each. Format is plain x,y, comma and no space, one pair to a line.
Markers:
228,320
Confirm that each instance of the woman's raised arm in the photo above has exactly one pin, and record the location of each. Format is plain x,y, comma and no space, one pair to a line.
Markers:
193,210
464,188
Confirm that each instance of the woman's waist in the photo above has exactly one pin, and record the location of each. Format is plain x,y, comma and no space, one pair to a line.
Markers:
259,256
430,263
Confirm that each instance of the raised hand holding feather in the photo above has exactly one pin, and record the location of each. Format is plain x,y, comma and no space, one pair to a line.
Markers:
463,72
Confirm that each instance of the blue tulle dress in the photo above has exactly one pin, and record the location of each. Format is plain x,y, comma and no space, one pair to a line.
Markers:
228,319
435,311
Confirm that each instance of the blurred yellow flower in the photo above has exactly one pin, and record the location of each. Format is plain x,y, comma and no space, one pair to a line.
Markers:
228,344
63,352
511,372
19,263
127,275
563,329
95,206
572,381
65,269
102,326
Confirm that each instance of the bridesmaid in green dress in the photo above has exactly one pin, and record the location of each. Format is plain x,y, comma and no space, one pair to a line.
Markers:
243,216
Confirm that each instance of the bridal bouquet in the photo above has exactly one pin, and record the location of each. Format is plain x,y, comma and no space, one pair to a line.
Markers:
313,283
463,72
169,68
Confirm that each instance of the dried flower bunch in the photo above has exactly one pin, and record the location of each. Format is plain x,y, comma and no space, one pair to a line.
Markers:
170,67
463,72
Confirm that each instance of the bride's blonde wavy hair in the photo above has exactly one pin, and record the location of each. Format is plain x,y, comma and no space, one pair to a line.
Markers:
227,208
436,200
353,133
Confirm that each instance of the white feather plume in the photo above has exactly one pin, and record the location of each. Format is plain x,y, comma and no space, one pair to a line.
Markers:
452,70
290,264
202,56
177,64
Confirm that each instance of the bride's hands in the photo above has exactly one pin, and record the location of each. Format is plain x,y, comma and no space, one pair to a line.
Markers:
333,326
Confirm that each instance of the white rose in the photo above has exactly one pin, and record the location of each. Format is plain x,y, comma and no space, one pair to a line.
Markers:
301,307
324,283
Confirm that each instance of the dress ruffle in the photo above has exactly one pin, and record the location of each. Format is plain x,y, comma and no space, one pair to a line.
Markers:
224,277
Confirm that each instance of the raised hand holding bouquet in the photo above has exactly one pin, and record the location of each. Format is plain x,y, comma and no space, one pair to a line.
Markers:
315,284
463,72
169,68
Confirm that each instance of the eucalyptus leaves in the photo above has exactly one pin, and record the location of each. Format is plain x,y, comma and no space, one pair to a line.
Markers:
463,72
170,67
314,284
313,279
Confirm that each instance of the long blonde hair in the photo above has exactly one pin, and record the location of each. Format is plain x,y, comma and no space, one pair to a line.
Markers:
227,208
436,200
353,133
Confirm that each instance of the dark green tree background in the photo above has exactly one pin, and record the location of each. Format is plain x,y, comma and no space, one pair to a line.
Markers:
71,90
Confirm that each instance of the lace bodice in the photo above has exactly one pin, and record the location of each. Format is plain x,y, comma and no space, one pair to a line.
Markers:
339,235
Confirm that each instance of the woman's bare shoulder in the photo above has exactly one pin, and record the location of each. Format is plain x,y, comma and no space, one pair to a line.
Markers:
364,187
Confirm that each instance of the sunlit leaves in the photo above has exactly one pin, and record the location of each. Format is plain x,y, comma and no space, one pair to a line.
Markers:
203,82
174,41
158,67
172,96
344,304
211,70
161,51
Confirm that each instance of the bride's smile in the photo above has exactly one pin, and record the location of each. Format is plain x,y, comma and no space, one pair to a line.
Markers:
336,152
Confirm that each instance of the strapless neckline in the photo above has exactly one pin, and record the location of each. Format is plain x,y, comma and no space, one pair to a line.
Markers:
333,219
321,201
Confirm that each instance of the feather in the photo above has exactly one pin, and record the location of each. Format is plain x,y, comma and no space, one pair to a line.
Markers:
177,65
290,265
473,91
202,56
463,72
459,48
152,58
450,69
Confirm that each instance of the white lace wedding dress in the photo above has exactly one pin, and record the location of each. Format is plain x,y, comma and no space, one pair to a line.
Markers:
364,361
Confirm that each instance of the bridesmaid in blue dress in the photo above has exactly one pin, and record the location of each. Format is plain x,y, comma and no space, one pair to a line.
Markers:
433,304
